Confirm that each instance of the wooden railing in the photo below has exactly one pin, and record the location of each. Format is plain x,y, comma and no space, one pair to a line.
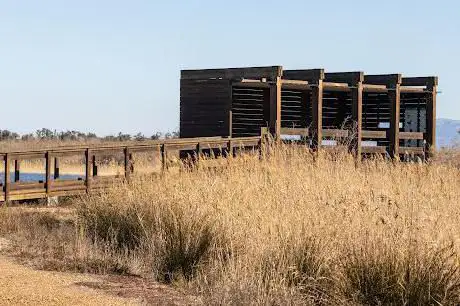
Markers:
13,188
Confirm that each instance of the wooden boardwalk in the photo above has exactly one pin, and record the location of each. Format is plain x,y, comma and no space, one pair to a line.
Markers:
13,188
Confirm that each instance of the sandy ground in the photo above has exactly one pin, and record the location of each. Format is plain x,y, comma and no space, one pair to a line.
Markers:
22,285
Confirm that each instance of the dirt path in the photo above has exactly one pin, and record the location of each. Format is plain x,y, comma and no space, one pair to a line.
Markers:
20,285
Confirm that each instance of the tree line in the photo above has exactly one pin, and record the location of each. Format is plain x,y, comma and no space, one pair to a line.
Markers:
48,134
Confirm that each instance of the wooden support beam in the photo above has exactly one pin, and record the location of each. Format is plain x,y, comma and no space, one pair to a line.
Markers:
56,168
383,79
270,72
163,155
356,111
127,164
48,159
7,182
88,170
309,75
420,81
17,170
394,95
351,78
275,109
316,128
430,135
94,165
230,123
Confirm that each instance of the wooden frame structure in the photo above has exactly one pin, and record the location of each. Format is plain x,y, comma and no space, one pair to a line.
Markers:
387,114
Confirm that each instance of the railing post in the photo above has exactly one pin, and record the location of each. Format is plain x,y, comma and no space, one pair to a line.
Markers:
7,178
275,108
127,164
56,168
317,113
88,170
430,136
48,172
17,169
163,157
357,114
394,93
94,165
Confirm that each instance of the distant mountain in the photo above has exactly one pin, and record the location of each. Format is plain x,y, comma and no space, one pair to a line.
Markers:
447,132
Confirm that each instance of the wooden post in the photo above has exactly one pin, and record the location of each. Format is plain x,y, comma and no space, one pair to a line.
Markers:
198,152
94,165
127,164
316,130
163,157
430,136
275,108
131,163
17,169
230,124
7,177
357,114
56,168
88,170
394,95
48,158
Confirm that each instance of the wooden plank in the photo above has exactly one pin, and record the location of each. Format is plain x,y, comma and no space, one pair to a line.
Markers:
7,181
163,158
275,108
317,113
88,170
310,75
56,168
295,131
246,84
350,78
393,133
17,170
23,156
412,150
270,72
411,135
373,150
336,133
339,87
48,159
94,165
374,134
430,145
357,113
420,81
127,164
27,186
383,79
375,88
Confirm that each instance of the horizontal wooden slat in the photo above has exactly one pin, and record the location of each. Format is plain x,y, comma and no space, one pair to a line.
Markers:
233,73
411,135
26,185
420,81
337,133
411,150
294,131
374,150
373,134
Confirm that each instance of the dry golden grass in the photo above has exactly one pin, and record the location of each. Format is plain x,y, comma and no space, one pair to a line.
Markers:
292,228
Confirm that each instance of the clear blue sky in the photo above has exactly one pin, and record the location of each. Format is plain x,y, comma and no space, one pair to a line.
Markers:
109,66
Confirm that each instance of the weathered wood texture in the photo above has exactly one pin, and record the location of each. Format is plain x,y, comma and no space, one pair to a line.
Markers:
204,108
